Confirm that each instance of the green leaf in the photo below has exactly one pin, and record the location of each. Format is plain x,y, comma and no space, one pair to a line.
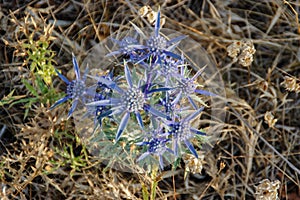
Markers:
10,98
41,85
176,163
30,88
145,192
198,99
28,106
23,100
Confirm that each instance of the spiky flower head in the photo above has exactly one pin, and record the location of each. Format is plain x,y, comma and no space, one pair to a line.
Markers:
157,145
183,132
131,99
76,89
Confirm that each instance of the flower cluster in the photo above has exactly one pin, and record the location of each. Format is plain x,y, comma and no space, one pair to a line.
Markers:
156,95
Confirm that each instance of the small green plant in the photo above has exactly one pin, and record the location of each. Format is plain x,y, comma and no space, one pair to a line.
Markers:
39,94
33,46
67,157
40,59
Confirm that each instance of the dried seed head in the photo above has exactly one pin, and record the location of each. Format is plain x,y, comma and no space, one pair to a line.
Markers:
234,49
247,46
243,51
267,190
145,10
245,59
247,52
193,164
150,15
291,84
269,118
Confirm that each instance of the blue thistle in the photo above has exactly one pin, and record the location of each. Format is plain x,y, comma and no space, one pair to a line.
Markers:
156,142
76,89
171,105
157,46
182,132
131,100
128,46
187,87
159,95
102,92
169,68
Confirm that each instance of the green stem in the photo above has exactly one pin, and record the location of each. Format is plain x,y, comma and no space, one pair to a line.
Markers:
154,182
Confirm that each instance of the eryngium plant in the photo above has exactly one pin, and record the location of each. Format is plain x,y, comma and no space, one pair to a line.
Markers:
145,106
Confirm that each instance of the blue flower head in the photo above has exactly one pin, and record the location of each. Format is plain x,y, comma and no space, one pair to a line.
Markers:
157,46
104,92
131,99
182,132
128,47
171,105
187,87
157,145
76,89
169,68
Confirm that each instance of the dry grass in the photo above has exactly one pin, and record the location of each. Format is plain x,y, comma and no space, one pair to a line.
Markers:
42,157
